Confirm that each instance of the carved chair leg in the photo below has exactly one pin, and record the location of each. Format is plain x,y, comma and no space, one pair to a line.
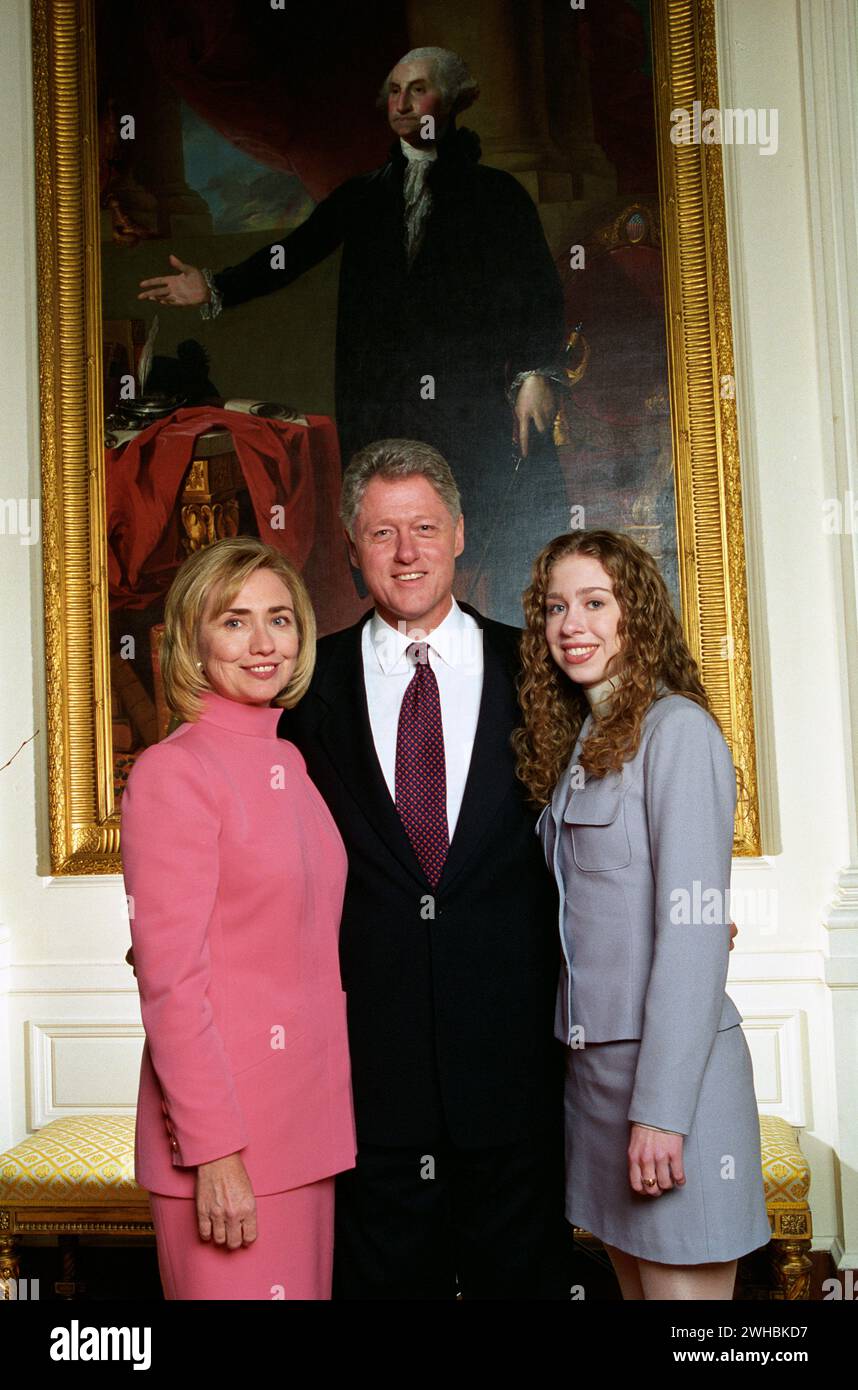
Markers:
9,1265
792,1265
68,1287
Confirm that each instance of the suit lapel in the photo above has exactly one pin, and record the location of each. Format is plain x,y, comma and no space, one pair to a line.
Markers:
546,829
488,777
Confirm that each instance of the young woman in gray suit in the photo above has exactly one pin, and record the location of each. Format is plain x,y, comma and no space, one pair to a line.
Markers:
621,747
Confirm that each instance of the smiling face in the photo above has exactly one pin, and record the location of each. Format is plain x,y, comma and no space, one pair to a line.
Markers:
581,618
406,543
249,650
411,95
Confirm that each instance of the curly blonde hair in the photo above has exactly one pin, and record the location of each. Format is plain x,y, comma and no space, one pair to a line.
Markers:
652,650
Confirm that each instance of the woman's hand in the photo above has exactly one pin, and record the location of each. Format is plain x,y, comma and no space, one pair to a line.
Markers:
188,287
655,1153
226,1206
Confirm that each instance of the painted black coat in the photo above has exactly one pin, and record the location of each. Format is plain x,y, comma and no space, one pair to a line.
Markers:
481,303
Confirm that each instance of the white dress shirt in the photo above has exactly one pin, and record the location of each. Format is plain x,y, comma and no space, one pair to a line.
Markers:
456,657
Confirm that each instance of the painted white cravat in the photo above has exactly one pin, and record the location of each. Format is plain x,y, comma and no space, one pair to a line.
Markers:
418,199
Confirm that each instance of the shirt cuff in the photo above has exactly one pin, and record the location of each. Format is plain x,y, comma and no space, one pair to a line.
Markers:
556,375
215,304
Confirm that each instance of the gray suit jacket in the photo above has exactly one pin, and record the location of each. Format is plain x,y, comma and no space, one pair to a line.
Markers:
644,894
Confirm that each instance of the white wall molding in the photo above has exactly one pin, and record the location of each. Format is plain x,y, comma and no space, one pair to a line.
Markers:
81,1067
78,976
777,1045
773,967
56,884
841,917
843,1258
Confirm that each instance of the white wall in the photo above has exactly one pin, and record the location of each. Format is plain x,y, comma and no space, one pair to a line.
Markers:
67,1003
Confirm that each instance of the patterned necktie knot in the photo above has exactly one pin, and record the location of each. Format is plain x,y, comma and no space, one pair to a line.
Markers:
418,653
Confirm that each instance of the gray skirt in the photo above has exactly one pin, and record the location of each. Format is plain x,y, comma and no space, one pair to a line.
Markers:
720,1212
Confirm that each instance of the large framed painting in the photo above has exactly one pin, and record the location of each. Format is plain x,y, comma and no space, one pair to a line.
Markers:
213,349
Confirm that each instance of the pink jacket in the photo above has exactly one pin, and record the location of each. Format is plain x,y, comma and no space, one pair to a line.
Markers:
235,872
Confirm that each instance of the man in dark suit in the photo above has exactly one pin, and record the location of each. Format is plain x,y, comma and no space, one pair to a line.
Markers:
450,311
449,948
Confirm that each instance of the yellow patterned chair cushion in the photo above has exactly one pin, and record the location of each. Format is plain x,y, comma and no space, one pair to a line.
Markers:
786,1171
84,1160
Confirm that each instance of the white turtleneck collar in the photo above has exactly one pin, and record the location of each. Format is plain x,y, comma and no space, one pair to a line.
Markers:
599,696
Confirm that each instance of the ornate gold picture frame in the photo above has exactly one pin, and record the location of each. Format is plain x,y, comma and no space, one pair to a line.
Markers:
84,822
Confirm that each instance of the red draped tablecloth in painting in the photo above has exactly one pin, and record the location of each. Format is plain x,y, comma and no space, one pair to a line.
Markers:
293,478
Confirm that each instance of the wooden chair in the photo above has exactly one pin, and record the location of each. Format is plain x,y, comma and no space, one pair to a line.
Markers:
71,1178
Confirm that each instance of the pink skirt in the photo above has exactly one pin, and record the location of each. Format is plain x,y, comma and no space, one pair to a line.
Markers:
291,1257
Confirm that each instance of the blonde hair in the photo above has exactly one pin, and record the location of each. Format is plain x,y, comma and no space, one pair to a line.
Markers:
219,572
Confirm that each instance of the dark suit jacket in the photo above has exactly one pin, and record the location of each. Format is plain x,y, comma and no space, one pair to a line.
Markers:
451,993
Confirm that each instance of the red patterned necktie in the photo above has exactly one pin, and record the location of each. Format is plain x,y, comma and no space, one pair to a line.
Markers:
421,777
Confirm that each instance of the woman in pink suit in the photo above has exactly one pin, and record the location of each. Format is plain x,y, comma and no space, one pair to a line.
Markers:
235,873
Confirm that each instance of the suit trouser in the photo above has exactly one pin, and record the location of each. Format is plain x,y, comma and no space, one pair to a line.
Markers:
420,1222
290,1258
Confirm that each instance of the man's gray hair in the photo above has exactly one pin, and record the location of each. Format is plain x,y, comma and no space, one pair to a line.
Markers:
449,72
396,458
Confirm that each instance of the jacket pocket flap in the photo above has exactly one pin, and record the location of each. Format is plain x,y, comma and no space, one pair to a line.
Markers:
594,805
